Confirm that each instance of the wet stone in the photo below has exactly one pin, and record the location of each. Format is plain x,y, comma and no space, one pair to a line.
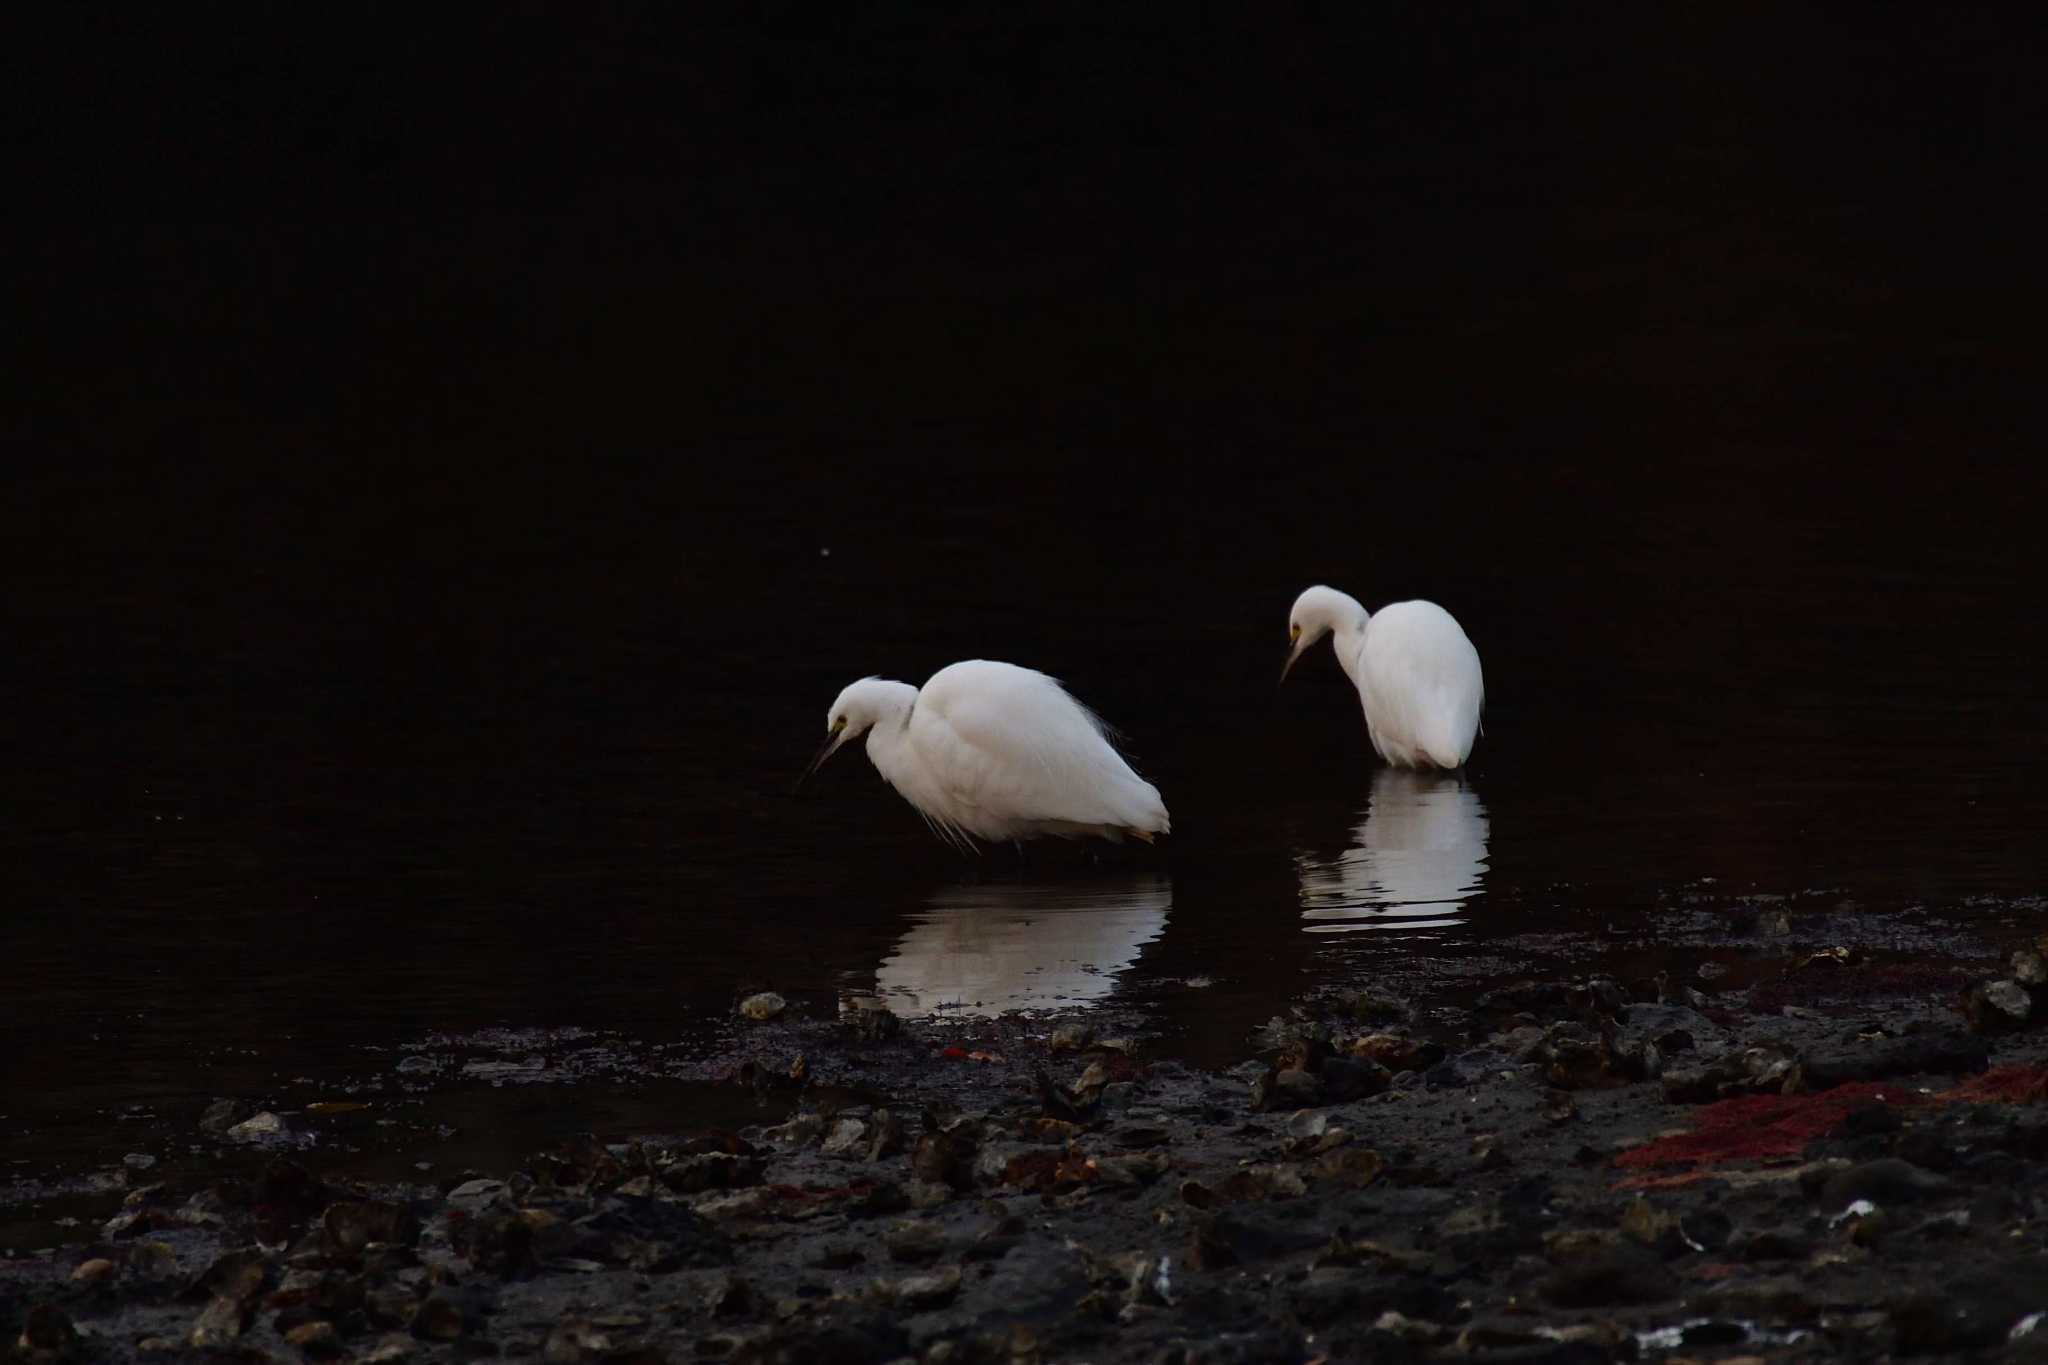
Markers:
1379,1007
94,1271
219,1324
1395,1052
2029,968
236,1276
713,1171
945,1158
48,1328
1758,1070
474,1196
729,1296
916,1243
1998,1006
886,1135
441,1317
316,1338
929,1194
1354,1167
1290,1089
844,1138
256,1128
497,1243
572,1343
1070,1038
222,1115
917,1293
1887,1180
353,1226
1347,1078
390,1306
882,1198
870,1020
764,1006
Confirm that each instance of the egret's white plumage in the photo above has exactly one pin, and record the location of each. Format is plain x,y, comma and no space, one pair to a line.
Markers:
988,750
1417,675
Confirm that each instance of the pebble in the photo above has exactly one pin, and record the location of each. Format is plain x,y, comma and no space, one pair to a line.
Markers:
474,1196
1998,1006
314,1336
844,1137
918,1292
257,1127
766,1005
1888,1180
1070,1038
93,1271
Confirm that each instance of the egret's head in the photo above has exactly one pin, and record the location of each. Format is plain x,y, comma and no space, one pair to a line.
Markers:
856,709
1317,612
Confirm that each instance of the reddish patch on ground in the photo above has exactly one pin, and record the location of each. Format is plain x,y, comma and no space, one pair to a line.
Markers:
1762,1127
1758,1127
2001,1085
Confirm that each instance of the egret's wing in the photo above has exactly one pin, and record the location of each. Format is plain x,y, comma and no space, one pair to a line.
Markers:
1422,685
1009,744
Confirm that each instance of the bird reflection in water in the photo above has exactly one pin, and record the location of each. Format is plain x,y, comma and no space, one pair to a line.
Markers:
987,949
1416,858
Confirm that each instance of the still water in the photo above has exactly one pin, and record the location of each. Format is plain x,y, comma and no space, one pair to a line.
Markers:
306,789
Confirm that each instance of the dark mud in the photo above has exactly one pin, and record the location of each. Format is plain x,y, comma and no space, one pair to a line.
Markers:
1571,1168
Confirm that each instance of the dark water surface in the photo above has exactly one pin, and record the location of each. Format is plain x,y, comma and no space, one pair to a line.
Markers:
452,506
290,825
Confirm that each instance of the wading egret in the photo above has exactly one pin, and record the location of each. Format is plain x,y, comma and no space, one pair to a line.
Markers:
1416,673
992,751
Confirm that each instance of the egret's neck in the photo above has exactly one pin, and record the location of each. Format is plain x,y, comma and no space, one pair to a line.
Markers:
886,747
1347,638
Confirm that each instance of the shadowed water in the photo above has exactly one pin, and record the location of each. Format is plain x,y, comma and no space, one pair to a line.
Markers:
438,553
281,825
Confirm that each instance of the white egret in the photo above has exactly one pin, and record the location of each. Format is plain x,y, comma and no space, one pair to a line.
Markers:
992,751
1417,675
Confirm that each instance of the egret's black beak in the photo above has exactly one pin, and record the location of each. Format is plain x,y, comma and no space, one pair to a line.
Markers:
1294,652
830,747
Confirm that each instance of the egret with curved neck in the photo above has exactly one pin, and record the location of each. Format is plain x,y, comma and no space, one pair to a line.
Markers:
1417,674
988,750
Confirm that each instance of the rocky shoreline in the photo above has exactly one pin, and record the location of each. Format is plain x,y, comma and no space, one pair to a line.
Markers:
1564,1170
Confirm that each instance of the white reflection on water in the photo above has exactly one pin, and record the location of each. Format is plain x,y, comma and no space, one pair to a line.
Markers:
1416,858
987,949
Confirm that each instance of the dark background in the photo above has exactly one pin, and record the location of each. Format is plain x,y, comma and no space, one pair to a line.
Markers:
429,426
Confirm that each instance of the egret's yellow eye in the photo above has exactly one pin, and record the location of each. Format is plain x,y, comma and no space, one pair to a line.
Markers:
1293,634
